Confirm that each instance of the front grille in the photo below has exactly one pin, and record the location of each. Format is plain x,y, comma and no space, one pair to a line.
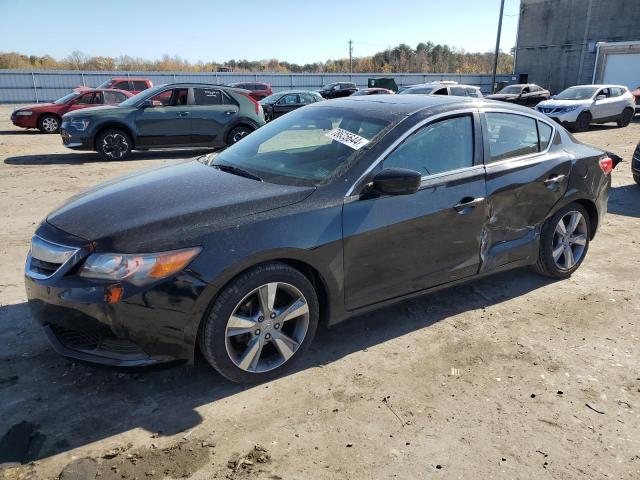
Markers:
46,258
549,109
97,343
44,268
65,136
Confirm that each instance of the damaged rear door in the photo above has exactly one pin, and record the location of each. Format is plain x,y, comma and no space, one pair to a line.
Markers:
526,176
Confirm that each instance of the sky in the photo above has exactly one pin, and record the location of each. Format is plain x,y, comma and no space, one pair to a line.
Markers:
295,31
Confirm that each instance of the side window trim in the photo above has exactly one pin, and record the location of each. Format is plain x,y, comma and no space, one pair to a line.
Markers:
485,134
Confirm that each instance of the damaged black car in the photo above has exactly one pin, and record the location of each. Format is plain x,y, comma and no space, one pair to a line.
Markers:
333,210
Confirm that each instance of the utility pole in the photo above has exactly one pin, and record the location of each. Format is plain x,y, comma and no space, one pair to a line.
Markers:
350,56
497,52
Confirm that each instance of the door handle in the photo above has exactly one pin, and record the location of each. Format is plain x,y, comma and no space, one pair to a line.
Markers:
230,112
554,179
467,204
184,114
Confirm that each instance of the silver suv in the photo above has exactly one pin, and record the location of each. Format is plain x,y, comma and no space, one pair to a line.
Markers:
443,88
578,107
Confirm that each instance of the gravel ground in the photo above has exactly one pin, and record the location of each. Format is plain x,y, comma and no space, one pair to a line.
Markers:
514,376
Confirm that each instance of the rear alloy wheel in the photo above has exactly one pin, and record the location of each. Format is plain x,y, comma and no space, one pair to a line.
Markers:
625,118
49,124
113,144
583,122
237,134
564,242
260,323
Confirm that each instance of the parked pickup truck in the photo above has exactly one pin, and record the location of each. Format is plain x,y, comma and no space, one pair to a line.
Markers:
133,85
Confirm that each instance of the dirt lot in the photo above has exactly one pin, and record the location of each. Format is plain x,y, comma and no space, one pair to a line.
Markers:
513,376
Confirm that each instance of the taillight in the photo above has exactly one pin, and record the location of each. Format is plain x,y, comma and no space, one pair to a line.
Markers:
606,164
255,102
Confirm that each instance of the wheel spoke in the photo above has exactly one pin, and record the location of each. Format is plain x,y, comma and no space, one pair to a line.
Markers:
251,356
297,308
573,222
579,239
285,344
560,228
239,324
558,252
267,296
568,257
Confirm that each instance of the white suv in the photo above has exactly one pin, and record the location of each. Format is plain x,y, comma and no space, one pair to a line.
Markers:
578,107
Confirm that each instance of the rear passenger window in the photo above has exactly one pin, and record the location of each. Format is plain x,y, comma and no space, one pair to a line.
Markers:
139,86
439,147
511,135
122,86
544,131
207,96
458,91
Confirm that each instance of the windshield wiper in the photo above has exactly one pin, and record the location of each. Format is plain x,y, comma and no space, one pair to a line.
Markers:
237,171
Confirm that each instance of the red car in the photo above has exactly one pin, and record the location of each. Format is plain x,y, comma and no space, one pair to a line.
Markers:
128,84
373,91
47,117
257,90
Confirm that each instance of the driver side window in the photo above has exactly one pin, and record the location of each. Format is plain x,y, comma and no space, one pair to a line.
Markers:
171,98
86,99
442,146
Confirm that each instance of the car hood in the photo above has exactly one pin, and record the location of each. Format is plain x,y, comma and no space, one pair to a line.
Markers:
168,207
564,103
37,106
91,111
502,96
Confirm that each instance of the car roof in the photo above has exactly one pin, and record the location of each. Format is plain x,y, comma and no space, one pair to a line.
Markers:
440,84
598,85
295,91
130,78
403,105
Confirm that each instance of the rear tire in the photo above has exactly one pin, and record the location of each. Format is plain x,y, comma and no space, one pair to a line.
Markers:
582,123
114,144
49,123
260,324
564,245
237,134
625,118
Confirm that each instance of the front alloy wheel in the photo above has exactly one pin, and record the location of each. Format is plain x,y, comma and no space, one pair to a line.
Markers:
114,145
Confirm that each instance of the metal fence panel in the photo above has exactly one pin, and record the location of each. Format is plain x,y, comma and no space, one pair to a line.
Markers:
20,86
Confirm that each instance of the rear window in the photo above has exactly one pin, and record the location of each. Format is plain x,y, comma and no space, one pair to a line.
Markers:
139,85
122,86
511,135
207,96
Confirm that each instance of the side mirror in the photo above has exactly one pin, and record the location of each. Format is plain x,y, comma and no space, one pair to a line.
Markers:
147,103
397,181
601,97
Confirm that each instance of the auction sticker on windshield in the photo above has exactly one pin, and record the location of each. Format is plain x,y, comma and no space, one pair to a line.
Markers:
347,138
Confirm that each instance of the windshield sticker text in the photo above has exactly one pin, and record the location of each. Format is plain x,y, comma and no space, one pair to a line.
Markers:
347,138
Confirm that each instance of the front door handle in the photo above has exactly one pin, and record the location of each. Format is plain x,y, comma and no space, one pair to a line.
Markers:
554,179
230,112
184,114
467,204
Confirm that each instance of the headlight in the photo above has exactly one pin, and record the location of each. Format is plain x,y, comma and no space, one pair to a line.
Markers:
569,109
24,113
79,124
137,269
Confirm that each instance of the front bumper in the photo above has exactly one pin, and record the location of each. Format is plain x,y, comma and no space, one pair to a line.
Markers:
149,325
559,116
24,121
74,139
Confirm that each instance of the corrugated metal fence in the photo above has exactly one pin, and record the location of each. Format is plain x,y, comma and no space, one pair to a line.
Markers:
20,86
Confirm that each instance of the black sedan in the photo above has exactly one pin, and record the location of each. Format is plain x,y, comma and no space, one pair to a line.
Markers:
528,94
333,210
278,104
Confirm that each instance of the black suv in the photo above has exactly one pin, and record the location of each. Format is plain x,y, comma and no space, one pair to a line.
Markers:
338,89
176,115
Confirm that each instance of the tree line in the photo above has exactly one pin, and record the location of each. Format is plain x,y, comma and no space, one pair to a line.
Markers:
425,58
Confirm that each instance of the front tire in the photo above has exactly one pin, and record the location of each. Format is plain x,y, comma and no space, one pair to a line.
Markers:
49,123
260,324
625,118
114,144
564,242
237,134
582,122
636,178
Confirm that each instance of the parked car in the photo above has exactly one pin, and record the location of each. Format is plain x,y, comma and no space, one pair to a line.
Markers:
258,90
373,91
338,89
636,97
580,106
528,94
132,85
46,117
443,88
243,252
278,104
176,115
635,164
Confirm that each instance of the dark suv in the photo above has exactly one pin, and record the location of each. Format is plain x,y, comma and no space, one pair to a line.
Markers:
338,89
176,115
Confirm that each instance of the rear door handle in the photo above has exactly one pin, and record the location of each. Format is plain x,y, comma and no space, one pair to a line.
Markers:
554,179
184,114
230,112
467,204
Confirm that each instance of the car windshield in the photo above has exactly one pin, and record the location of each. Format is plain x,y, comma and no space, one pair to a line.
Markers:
577,93
148,93
511,89
105,84
271,98
66,98
328,86
305,147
